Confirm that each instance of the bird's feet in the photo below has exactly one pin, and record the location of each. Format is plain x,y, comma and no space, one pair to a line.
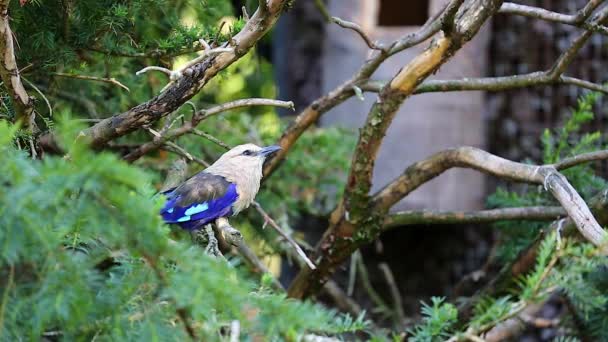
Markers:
212,248
229,233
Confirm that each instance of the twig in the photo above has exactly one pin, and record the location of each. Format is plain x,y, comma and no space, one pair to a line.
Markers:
197,117
367,285
352,26
501,83
352,274
211,138
46,100
323,9
173,147
539,13
286,236
245,14
395,293
342,300
206,113
111,80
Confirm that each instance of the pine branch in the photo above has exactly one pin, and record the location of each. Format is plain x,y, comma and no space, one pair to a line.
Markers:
192,81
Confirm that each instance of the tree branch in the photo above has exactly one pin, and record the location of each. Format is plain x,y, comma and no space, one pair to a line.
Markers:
352,26
190,126
9,72
354,221
111,80
320,106
193,80
430,217
577,19
473,158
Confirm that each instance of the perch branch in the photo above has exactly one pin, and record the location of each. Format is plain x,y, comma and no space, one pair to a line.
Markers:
296,247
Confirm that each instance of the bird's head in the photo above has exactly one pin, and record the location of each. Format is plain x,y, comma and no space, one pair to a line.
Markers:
247,158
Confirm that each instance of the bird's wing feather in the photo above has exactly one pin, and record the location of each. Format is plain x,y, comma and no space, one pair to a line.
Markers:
200,199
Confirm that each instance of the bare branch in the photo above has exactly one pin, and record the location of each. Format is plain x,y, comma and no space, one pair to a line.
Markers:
190,127
210,138
205,113
286,236
395,293
497,83
473,158
323,9
414,217
577,19
341,299
352,26
9,72
580,159
111,80
320,106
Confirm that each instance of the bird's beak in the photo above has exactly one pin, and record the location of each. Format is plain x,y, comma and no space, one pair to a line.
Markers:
268,150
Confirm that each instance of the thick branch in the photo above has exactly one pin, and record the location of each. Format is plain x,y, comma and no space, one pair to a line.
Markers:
352,220
22,102
193,80
429,217
313,112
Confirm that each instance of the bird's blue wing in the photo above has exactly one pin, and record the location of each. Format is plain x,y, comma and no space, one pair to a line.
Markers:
199,200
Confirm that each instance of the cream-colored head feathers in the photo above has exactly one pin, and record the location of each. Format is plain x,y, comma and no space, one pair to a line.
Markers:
242,165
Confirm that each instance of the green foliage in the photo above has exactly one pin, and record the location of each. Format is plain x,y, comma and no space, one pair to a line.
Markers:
564,265
436,322
490,311
85,256
562,143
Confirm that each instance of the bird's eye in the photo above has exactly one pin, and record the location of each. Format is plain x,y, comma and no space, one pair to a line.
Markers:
247,153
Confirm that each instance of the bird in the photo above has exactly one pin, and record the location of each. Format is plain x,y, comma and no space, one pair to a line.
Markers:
223,189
